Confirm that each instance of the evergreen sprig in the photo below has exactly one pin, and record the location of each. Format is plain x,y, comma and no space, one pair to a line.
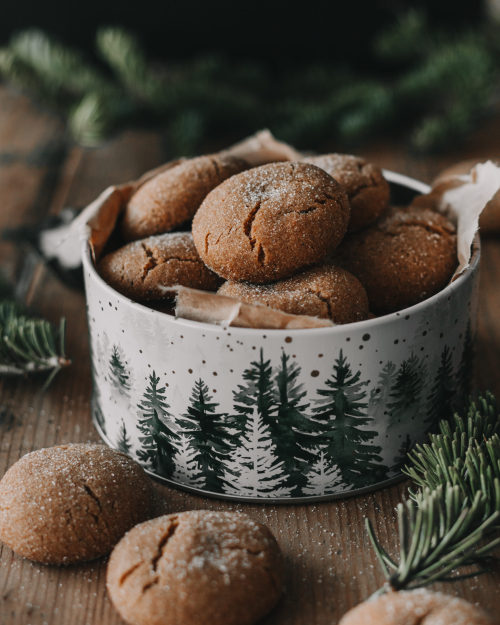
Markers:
433,85
453,519
447,456
30,345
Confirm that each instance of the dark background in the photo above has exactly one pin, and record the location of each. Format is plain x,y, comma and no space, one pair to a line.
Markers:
276,32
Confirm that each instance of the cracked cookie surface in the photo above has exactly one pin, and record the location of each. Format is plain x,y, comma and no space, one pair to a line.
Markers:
407,256
196,568
172,197
367,189
327,291
269,222
140,269
72,503
416,607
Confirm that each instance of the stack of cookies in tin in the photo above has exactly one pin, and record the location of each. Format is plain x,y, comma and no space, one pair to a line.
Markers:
317,237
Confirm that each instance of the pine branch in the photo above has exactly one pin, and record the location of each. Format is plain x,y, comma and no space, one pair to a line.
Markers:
440,86
93,118
61,69
30,345
453,520
126,58
404,40
444,458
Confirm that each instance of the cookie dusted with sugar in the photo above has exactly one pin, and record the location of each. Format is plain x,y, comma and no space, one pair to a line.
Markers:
327,291
269,222
404,258
367,189
196,568
416,607
171,198
142,268
72,503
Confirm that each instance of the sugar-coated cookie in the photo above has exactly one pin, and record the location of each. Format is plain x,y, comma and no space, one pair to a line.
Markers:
367,189
416,607
407,256
141,268
327,291
196,568
171,198
72,502
269,222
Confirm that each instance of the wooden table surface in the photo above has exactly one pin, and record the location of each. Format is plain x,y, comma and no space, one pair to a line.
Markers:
330,563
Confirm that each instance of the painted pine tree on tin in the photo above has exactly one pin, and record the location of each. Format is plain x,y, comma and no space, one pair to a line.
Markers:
257,392
402,458
405,400
123,442
341,410
442,398
119,374
323,477
255,469
379,395
159,439
187,469
97,380
295,433
209,434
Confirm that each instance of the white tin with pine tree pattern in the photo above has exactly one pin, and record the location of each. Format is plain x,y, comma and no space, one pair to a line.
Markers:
278,415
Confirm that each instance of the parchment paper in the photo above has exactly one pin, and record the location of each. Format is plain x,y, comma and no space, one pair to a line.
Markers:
463,198
227,311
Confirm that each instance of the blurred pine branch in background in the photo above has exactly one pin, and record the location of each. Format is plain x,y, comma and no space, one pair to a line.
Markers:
430,86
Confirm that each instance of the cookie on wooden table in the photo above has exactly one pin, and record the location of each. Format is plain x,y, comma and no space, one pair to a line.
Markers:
141,268
416,607
327,291
172,197
196,568
72,503
367,189
269,222
407,256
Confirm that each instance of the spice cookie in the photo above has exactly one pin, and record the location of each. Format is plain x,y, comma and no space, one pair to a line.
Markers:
367,189
140,269
327,291
172,197
196,568
269,222
72,503
404,258
414,607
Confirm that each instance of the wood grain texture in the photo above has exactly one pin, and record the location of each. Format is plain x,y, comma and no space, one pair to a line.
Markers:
330,564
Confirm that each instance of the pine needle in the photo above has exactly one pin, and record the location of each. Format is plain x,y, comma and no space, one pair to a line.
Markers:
56,65
30,345
453,519
122,52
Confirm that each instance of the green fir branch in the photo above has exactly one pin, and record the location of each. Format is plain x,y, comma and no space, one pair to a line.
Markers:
30,345
59,67
445,455
453,519
122,52
405,40
436,86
